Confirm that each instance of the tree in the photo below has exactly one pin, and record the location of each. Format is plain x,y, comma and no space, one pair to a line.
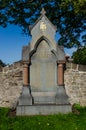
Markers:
79,57
2,63
68,15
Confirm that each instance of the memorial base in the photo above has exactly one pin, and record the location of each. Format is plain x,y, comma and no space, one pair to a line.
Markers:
54,105
43,109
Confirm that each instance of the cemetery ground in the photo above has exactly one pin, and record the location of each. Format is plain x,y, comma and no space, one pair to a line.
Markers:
70,121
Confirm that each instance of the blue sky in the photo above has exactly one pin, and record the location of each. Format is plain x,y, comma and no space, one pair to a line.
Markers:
11,42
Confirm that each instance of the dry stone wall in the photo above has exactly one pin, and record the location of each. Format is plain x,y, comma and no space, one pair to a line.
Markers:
10,84
75,83
11,81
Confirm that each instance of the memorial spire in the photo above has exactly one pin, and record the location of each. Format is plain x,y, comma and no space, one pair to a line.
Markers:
43,12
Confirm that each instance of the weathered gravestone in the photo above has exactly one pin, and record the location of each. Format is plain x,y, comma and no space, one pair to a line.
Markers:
43,73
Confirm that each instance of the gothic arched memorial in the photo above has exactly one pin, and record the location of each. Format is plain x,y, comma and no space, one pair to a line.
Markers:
43,73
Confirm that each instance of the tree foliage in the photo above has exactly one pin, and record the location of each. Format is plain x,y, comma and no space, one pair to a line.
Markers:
79,57
2,63
68,15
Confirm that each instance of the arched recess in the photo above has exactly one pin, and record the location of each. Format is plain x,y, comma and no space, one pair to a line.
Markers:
48,42
43,68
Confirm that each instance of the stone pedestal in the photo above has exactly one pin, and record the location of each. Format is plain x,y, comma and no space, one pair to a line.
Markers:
61,96
58,103
25,98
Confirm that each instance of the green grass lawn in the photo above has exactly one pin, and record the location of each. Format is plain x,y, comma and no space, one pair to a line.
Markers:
69,121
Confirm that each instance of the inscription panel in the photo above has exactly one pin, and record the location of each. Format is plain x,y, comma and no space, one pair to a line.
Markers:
43,69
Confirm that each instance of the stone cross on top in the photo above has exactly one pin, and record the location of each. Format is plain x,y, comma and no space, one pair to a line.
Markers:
43,12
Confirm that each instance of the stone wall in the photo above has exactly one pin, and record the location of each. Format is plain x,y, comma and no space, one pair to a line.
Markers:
11,80
10,84
75,83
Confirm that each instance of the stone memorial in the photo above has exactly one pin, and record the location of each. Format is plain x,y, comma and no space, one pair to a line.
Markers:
43,60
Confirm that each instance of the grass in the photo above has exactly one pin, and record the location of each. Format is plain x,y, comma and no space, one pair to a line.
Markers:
69,121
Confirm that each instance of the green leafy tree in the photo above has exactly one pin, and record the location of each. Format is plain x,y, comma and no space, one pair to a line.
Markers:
68,15
2,63
79,57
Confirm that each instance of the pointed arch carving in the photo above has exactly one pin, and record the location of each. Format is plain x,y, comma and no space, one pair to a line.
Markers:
38,42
